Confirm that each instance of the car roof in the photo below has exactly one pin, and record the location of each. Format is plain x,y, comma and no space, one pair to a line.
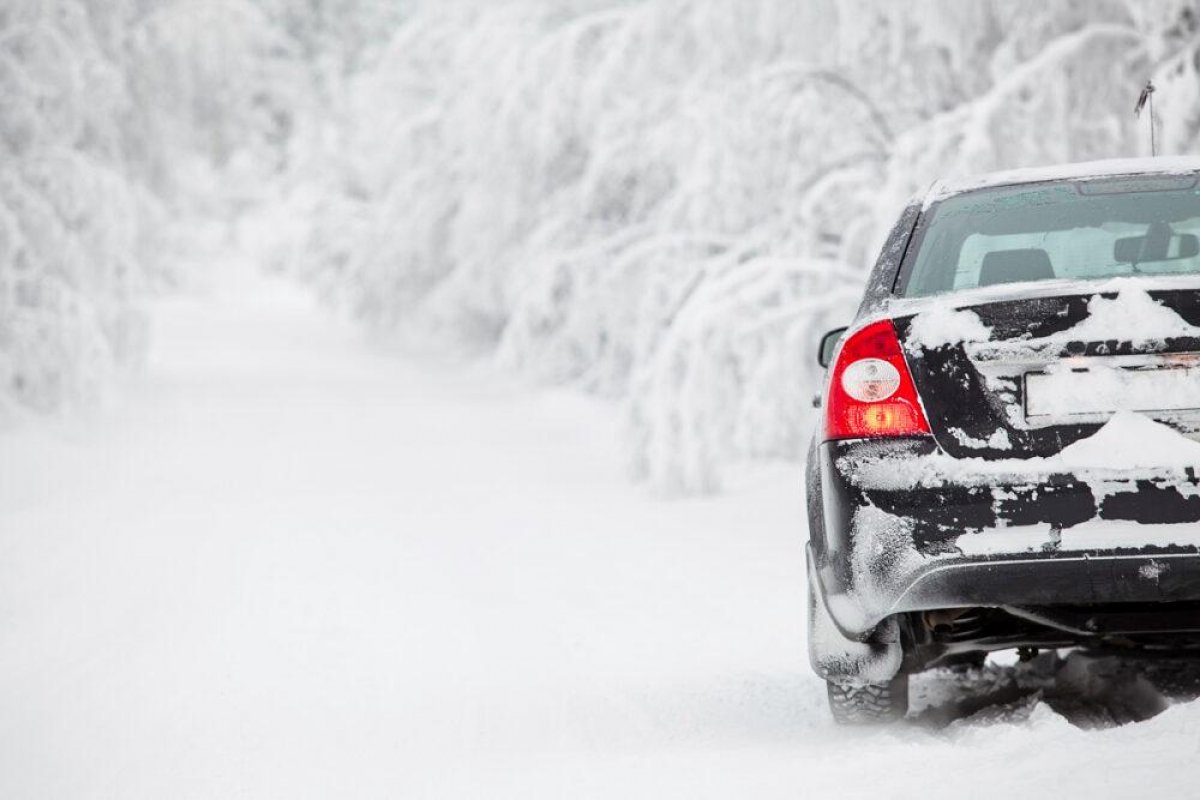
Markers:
1160,165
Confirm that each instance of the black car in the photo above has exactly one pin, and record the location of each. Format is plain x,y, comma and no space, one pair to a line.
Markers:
1010,440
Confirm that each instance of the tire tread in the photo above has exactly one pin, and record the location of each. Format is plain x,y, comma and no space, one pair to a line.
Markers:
870,703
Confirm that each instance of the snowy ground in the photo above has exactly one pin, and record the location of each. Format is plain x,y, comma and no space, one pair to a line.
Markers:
289,567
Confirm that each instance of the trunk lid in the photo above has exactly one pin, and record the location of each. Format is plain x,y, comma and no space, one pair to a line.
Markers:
1025,372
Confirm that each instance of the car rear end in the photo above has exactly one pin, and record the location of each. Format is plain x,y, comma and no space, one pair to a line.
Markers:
1010,453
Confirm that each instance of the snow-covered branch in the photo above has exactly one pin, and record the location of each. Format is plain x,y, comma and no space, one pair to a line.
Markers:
669,202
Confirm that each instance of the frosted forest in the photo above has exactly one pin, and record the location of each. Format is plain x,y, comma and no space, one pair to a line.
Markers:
412,399
661,203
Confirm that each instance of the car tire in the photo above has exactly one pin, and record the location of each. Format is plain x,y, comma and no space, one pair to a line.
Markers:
869,703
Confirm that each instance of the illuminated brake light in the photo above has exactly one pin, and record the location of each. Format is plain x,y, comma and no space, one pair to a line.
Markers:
871,392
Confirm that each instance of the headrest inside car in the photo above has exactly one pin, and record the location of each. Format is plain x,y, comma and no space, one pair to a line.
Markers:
1010,266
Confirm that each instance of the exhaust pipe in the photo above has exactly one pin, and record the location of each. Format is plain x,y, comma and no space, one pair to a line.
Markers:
942,620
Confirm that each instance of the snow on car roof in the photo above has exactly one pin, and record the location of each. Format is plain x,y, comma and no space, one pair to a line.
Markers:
1160,165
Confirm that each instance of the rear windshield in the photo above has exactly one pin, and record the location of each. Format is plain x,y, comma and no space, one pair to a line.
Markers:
1078,230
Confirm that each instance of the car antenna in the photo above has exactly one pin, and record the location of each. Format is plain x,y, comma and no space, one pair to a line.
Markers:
1147,96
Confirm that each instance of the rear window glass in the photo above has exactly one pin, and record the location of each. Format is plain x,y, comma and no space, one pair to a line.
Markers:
1079,230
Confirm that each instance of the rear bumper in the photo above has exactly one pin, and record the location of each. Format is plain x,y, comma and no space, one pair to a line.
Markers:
898,535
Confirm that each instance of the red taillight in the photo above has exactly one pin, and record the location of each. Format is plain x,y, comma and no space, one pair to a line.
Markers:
871,391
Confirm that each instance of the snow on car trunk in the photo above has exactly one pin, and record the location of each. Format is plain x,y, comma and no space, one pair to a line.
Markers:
1025,370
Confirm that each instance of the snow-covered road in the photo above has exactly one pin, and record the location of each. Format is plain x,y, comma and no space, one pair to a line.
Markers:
291,567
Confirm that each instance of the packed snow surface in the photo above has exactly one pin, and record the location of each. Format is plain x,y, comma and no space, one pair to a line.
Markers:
294,567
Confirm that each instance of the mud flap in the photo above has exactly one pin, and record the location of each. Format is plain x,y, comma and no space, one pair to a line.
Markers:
875,659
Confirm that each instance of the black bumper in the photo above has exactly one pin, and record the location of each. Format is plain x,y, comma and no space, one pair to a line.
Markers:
893,537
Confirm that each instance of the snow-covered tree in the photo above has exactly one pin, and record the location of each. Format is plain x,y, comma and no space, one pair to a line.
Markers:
660,201
123,124
669,201
70,244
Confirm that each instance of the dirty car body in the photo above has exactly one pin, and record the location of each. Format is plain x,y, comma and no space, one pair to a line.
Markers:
1008,456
